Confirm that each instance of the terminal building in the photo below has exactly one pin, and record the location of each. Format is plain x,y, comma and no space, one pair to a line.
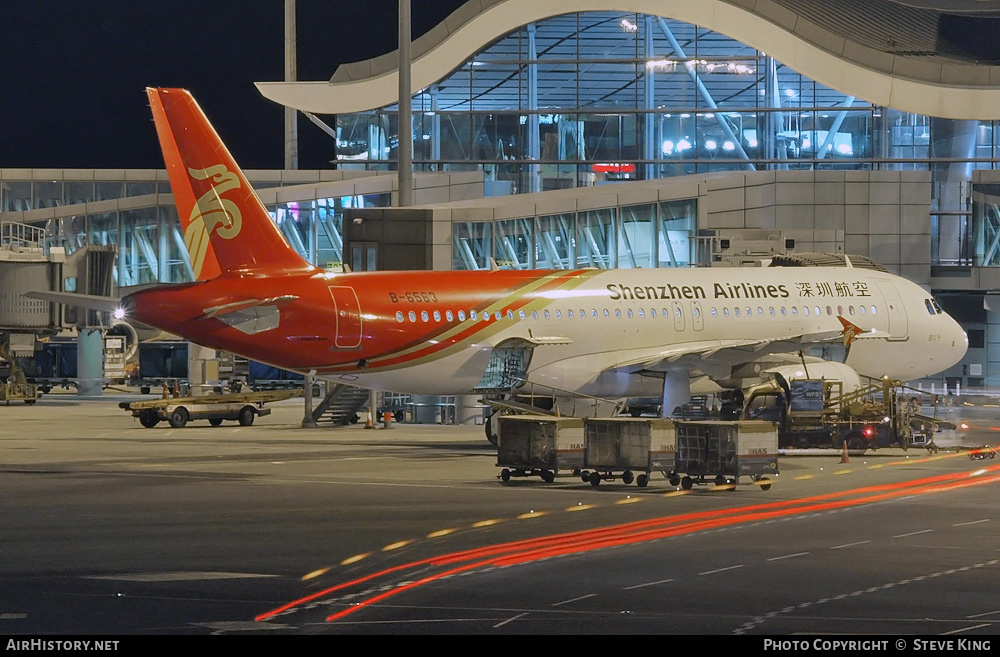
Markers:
582,134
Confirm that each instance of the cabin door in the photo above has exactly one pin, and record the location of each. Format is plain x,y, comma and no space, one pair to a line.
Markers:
347,310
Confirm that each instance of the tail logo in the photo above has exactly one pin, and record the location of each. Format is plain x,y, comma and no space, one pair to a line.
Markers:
212,213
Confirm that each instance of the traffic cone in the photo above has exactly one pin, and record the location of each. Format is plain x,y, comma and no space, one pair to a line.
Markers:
166,391
177,392
844,458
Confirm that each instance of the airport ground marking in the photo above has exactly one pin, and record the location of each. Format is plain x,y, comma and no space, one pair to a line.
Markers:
566,602
922,531
639,586
652,529
509,620
487,523
356,558
314,574
532,514
629,500
581,507
396,545
760,620
442,532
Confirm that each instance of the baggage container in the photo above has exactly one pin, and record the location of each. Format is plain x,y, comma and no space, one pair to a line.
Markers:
722,452
621,447
539,445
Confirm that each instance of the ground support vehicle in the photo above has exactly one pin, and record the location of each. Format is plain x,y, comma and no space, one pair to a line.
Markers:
721,451
628,449
242,407
980,453
539,446
813,413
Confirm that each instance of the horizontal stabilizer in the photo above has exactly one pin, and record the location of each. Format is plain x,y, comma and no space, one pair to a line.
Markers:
88,301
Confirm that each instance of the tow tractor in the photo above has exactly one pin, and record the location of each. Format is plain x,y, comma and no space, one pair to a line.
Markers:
243,407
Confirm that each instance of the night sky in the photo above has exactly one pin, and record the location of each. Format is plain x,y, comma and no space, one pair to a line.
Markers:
74,73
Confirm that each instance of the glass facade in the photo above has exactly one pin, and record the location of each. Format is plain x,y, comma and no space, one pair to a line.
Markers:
592,97
626,237
151,244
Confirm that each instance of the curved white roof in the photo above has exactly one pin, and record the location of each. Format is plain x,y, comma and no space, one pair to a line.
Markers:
921,82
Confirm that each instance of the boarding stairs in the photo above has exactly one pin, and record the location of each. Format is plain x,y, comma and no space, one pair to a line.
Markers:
341,405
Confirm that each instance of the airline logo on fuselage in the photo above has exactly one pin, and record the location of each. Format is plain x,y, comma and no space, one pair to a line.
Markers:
212,213
719,291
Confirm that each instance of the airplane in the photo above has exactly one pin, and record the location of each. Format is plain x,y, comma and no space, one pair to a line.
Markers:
606,333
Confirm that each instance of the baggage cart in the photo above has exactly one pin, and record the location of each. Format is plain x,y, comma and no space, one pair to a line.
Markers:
723,451
621,447
242,407
539,446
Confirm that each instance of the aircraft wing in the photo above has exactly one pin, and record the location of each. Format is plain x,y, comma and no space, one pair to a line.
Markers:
716,358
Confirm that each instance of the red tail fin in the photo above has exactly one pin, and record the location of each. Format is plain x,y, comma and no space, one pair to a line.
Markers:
226,228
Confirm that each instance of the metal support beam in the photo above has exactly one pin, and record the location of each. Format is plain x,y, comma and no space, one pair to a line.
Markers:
405,144
831,135
706,96
291,129
649,150
534,141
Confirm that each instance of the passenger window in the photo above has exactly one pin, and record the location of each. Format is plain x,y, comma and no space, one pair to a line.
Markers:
677,312
473,315
423,316
665,313
642,313
715,313
840,310
749,312
805,310
461,315
569,313
760,311
862,309
510,314
546,314
449,316
784,312
606,314
725,312
850,310
874,310
521,314
498,315
818,312
697,313
736,311
771,310
437,315
829,310
593,313
583,313
618,313
795,311
413,316
558,314
629,311
534,314
652,312
399,315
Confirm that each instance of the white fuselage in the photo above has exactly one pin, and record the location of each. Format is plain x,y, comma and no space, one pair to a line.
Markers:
594,338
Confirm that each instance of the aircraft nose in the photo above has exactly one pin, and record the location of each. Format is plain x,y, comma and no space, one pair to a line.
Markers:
959,341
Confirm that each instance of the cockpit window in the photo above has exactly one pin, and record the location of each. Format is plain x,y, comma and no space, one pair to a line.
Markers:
937,306
930,308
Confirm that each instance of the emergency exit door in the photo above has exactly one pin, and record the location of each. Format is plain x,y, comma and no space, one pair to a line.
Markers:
347,310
